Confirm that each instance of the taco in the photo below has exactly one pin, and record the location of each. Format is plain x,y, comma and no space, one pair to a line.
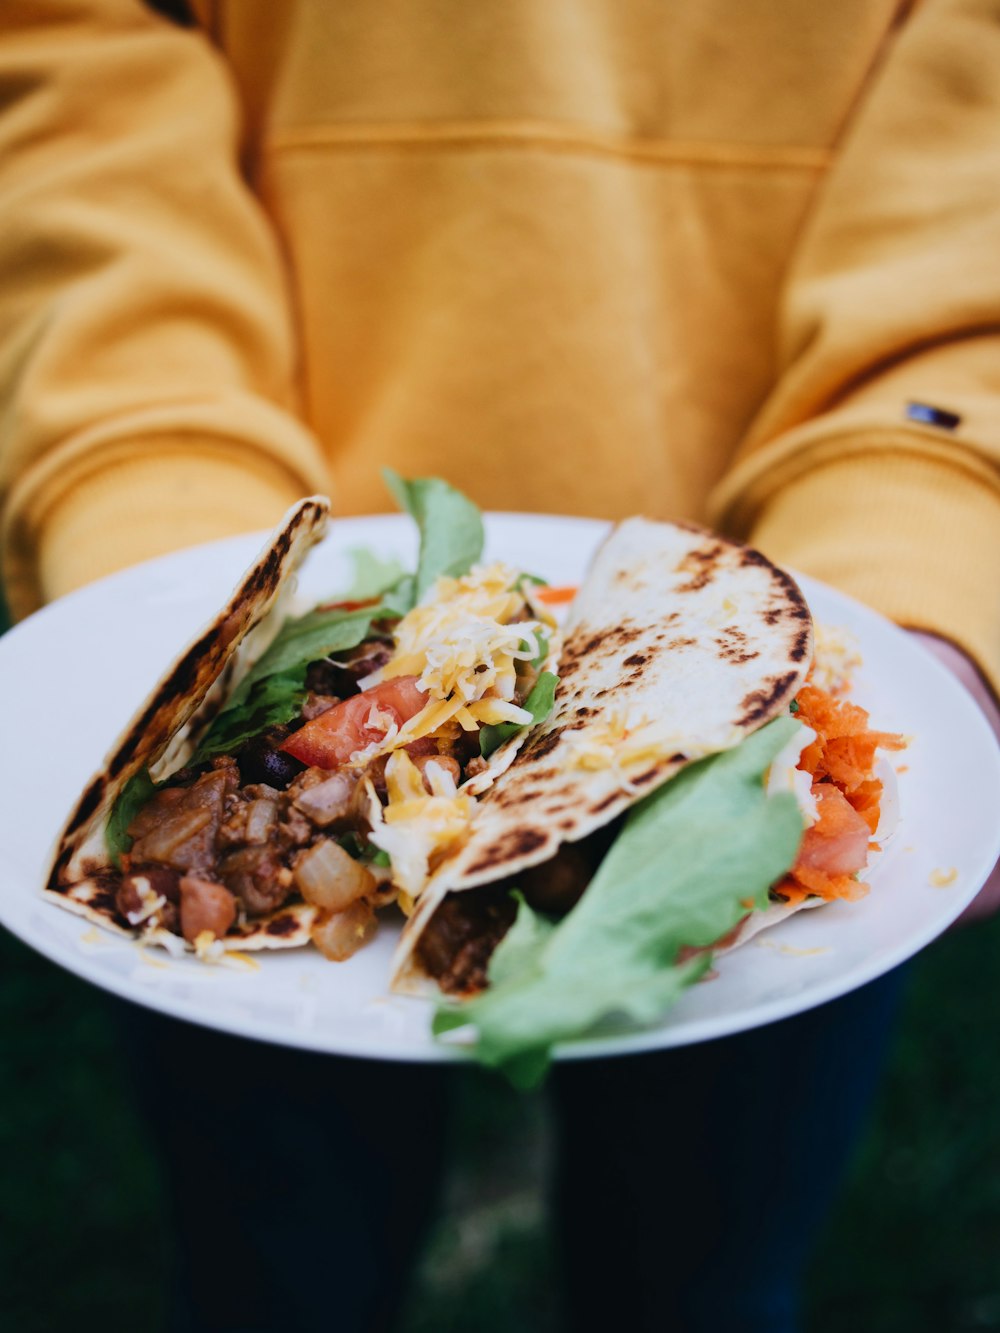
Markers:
683,660
237,811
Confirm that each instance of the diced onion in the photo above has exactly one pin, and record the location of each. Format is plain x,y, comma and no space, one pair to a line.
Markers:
330,878
338,935
170,836
262,818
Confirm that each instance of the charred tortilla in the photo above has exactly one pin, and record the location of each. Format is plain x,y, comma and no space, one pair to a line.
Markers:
82,877
242,807
679,645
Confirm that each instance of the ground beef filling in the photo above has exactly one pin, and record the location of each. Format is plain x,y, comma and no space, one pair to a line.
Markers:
456,947
254,831
458,941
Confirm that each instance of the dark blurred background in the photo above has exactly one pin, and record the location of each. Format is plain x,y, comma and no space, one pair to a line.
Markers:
912,1247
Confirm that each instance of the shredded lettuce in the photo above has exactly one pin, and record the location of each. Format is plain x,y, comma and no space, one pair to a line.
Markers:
690,859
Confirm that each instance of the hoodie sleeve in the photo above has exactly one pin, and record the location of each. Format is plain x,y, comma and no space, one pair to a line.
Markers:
147,364
893,307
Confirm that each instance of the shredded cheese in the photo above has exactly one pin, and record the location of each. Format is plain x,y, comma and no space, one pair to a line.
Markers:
624,739
416,827
837,656
464,647
150,902
459,641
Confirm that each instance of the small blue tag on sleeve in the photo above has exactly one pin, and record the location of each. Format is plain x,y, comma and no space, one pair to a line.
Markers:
928,415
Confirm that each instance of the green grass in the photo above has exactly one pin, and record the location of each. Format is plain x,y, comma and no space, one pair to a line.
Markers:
912,1247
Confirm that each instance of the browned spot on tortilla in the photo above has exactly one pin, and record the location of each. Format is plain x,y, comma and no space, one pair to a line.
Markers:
801,645
664,621
605,802
91,798
732,645
505,798
795,608
104,901
544,744
88,804
758,703
637,659
514,843
677,758
680,643
701,565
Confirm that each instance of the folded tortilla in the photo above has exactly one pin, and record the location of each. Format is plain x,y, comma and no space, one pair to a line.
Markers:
161,737
678,645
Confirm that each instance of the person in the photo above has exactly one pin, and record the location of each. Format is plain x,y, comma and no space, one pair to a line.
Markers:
714,262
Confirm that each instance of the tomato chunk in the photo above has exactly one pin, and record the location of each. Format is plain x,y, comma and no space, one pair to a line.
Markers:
837,844
330,739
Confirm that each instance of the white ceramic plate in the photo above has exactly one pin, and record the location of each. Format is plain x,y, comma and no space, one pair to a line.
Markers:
72,675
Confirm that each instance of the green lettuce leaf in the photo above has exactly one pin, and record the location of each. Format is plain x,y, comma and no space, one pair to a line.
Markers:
543,639
689,859
538,703
451,527
372,575
269,702
274,689
132,797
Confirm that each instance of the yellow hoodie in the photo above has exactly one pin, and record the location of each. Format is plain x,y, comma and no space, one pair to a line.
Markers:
691,258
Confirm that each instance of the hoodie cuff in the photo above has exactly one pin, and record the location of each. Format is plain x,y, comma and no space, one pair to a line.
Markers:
912,536
175,494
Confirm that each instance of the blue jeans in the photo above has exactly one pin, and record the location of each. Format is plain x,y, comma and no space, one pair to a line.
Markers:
692,1185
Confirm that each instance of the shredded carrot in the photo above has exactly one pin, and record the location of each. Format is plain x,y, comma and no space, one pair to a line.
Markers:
552,596
841,756
823,885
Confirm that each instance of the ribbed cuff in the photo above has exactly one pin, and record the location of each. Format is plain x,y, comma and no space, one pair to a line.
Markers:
174,494
912,536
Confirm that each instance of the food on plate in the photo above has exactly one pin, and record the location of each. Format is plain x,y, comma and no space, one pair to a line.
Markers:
691,786
292,773
570,850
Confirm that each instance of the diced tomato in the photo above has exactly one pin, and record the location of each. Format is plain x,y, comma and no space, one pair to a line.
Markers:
330,739
837,843
840,761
